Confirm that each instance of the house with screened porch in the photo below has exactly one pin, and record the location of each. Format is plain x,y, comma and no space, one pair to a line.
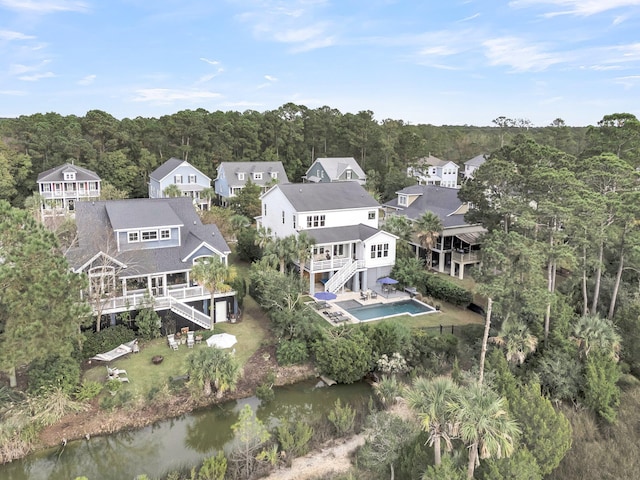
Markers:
138,251
350,251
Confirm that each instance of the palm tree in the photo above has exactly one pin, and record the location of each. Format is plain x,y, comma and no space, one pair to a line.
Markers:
209,367
264,237
427,229
515,338
592,332
483,424
172,191
303,250
283,249
208,194
431,400
401,227
214,275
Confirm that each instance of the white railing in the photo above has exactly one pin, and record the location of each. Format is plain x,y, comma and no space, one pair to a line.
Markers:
337,281
331,264
190,313
137,300
471,257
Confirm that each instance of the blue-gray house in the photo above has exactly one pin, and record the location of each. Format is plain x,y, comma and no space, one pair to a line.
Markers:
191,181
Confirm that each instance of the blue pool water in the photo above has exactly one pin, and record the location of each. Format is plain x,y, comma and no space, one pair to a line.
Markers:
383,310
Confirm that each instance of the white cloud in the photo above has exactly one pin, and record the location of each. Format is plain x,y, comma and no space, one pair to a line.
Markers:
44,6
88,80
270,78
577,7
519,55
10,35
36,76
19,69
167,95
628,81
13,93
210,62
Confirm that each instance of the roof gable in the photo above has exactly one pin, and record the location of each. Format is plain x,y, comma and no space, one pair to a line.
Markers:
164,170
336,166
56,174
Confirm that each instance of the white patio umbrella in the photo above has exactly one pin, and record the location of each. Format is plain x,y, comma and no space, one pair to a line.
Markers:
222,340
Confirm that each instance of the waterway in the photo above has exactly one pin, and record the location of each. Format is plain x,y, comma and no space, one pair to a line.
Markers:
180,442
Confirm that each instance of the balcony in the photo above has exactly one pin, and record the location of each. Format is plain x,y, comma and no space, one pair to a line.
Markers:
321,264
464,258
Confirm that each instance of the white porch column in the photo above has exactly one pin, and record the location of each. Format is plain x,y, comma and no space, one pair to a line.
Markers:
453,269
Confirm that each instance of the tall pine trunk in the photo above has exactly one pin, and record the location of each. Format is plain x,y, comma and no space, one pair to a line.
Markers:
616,286
485,339
585,295
598,274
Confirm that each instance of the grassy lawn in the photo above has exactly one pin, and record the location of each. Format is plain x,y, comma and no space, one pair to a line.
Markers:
144,375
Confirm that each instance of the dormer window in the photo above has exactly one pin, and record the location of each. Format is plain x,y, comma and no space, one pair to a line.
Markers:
274,175
70,176
177,179
349,174
402,200
240,175
257,176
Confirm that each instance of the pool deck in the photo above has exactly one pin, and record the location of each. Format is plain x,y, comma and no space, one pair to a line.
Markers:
381,298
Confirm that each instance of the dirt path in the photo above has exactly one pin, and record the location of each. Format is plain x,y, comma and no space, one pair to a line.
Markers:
333,458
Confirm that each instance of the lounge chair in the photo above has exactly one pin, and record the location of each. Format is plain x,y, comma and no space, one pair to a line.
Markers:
172,341
373,294
363,296
190,340
122,379
115,372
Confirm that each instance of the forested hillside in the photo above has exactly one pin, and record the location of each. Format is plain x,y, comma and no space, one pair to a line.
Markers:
123,152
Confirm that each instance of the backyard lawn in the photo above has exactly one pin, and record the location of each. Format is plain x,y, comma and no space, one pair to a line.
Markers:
144,375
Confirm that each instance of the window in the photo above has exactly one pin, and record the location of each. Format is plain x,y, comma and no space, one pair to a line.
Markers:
379,251
134,237
274,175
257,176
372,215
349,174
264,208
240,175
165,234
46,187
402,200
149,235
315,221
294,222
177,179
69,175
192,179
283,217
93,186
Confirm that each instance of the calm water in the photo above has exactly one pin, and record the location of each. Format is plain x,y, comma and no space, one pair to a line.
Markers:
171,444
383,310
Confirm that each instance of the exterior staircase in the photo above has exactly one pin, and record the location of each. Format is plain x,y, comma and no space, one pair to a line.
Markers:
337,281
190,313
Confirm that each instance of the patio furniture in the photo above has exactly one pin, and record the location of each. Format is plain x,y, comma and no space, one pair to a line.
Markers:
198,339
172,341
190,339
363,296
122,379
115,372
373,294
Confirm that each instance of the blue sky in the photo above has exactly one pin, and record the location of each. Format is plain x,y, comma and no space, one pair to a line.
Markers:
422,61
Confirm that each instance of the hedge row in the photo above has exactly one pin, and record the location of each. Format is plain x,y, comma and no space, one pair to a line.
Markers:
445,290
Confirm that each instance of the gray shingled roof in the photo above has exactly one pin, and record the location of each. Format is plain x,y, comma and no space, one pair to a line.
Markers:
432,198
56,174
166,168
335,166
231,170
128,215
310,197
341,234
476,161
95,234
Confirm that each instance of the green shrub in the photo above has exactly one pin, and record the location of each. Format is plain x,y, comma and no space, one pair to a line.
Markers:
52,372
342,418
107,339
148,323
443,289
294,438
292,352
265,392
88,391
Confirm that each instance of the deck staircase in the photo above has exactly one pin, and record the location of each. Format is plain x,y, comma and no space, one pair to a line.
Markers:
190,313
337,281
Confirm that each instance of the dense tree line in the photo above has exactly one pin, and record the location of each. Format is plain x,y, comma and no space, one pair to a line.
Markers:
124,152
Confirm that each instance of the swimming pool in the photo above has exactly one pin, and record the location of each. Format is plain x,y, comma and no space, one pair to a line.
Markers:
383,310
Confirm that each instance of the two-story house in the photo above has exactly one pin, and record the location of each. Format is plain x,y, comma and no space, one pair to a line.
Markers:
470,166
458,245
189,180
434,171
60,188
233,176
342,218
335,169
138,248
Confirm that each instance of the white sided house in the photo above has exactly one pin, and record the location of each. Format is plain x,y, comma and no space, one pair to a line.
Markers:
434,171
342,218
233,176
470,166
458,245
61,188
139,250
191,181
